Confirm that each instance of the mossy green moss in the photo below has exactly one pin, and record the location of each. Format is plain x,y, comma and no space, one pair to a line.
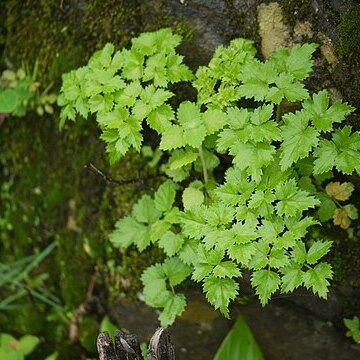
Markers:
64,38
26,320
348,51
113,21
56,197
33,193
46,168
75,269
64,200
46,175
2,31
349,37
123,276
38,31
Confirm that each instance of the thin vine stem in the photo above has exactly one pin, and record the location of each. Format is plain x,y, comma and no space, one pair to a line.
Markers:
203,164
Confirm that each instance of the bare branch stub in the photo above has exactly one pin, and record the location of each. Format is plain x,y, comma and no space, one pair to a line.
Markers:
137,182
160,347
127,347
105,347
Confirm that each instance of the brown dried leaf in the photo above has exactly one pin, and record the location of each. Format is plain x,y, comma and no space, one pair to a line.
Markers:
341,217
339,191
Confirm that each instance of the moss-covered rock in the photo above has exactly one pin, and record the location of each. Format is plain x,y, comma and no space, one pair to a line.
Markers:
349,36
63,35
348,50
110,21
297,10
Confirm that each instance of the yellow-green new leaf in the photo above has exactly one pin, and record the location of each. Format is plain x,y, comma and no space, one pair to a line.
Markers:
181,157
165,196
171,242
192,197
145,210
214,120
172,138
128,231
176,270
241,253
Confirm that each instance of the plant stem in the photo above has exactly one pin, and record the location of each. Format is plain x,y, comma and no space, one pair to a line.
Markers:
203,164
47,89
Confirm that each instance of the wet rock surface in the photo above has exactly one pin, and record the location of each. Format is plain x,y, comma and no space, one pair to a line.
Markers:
197,334
283,330
212,23
287,331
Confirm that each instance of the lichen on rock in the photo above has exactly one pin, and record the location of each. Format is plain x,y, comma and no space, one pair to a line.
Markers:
272,28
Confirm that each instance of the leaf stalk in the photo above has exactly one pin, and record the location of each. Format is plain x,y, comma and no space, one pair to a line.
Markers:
203,164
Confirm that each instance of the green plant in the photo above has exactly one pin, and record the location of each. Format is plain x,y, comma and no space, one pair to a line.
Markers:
107,325
12,349
239,344
277,164
16,282
354,328
20,91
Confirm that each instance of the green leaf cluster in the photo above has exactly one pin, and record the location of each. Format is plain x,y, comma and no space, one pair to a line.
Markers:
280,77
353,326
218,83
20,92
13,349
276,164
159,282
123,88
